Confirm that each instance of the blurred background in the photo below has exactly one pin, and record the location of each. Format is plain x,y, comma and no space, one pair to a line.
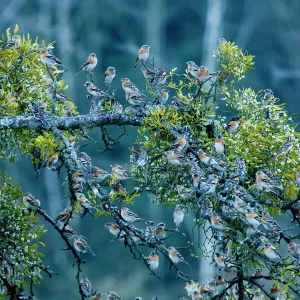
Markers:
178,31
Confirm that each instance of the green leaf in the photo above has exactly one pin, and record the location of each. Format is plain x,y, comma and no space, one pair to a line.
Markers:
16,29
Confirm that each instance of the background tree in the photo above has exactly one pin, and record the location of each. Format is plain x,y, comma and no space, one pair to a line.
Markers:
179,159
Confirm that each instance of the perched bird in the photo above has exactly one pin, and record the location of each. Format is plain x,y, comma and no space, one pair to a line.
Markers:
275,292
93,90
117,188
53,94
203,74
220,284
266,181
99,174
68,111
268,95
128,215
160,77
142,158
191,286
256,276
119,172
285,147
64,216
233,125
31,202
222,41
178,215
294,250
109,75
175,158
160,231
219,144
192,68
12,97
78,176
82,246
148,74
98,296
179,104
85,160
175,256
15,42
185,192
298,178
112,296
205,291
209,161
150,231
219,259
240,168
113,228
129,87
271,252
143,55
229,273
252,218
153,261
89,64
68,231
164,96
240,205
49,59
86,286
136,99
84,202
218,223
181,143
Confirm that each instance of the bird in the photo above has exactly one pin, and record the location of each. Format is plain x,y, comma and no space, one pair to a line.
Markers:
164,96
136,99
15,42
192,68
112,296
175,256
181,143
12,97
31,202
222,41
174,158
129,87
268,95
84,159
78,176
240,168
148,74
219,259
179,104
271,252
203,74
85,286
219,144
218,223
252,218
109,75
256,276
240,205
153,261
160,231
275,292
82,246
113,228
93,90
98,296
64,216
191,286
160,77
89,64
266,181
220,284
142,55
285,147
142,158
128,215
233,125
119,172
53,94
68,111
178,215
205,291
49,59
185,192
150,231
68,231
99,174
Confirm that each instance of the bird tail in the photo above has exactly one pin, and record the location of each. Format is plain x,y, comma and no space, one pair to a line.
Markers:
91,251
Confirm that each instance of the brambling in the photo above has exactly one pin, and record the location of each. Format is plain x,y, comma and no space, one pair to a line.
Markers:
175,256
48,79
85,160
196,180
150,231
78,176
68,111
219,144
203,74
271,252
129,87
147,74
153,261
160,231
192,68
93,90
185,192
135,238
191,286
275,292
117,188
252,218
256,276
55,95
142,56
294,250
89,64
68,231
268,182
205,291
82,246
164,96
109,75
86,286
98,296
117,106
222,41
113,228
268,95
178,215
233,125
128,215
64,216
195,295
219,260
72,140
160,77
15,42
269,223
12,97
220,284
84,202
112,296
218,223
99,174
212,185
204,158
298,178
175,158
53,159
119,172
257,296
31,202
240,205
49,59
179,104
285,147
43,106
142,159
229,274
77,187
181,143
137,99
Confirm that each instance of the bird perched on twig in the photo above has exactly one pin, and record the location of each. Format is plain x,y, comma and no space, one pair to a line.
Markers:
142,55
136,99
82,246
49,59
86,286
109,75
128,215
266,181
285,147
153,261
15,42
119,172
129,87
178,215
90,64
175,256
31,202
93,90
233,125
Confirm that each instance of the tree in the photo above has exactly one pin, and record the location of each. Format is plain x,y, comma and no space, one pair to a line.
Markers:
235,177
